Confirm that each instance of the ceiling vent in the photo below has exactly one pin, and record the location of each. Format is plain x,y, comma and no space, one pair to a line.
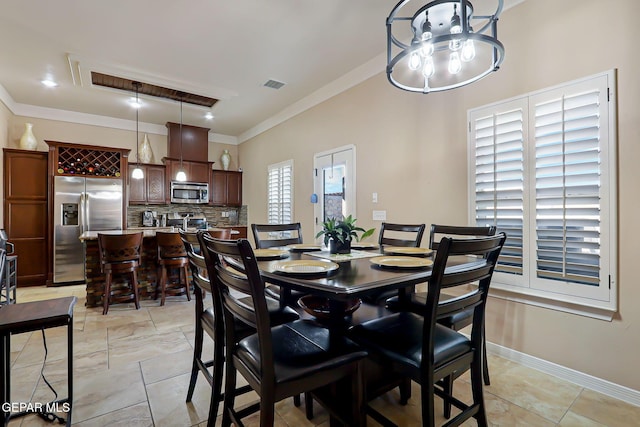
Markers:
120,83
273,84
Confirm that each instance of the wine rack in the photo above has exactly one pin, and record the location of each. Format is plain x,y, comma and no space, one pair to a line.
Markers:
83,161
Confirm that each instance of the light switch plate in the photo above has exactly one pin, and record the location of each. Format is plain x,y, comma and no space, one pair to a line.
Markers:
374,198
379,215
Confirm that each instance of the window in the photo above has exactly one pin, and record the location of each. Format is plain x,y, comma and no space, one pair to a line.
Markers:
543,171
280,193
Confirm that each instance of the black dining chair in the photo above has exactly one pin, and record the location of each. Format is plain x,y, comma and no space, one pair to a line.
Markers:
209,320
419,347
276,361
417,300
405,235
268,236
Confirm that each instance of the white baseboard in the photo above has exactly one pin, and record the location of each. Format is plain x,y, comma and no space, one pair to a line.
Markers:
605,387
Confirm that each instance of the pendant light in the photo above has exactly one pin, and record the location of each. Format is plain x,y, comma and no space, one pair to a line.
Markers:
137,172
181,176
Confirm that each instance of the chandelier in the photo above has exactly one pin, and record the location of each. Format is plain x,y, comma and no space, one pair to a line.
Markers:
451,45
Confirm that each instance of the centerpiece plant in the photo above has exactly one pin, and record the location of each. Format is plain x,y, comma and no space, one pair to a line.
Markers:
338,234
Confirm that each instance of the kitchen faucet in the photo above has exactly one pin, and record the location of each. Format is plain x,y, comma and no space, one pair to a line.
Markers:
185,222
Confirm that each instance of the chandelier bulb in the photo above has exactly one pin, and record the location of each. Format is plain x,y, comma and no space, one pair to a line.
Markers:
468,51
137,173
181,176
414,60
429,67
455,65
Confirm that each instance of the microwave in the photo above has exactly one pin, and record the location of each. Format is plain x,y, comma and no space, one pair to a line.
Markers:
189,192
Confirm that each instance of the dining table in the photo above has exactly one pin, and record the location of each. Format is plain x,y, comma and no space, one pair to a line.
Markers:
341,280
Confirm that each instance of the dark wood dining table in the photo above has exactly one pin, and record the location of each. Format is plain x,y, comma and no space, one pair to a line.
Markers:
355,278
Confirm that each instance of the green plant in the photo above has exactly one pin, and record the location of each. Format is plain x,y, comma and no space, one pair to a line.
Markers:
343,230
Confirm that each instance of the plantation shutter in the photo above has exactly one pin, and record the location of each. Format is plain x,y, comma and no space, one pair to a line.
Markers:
280,193
498,135
567,128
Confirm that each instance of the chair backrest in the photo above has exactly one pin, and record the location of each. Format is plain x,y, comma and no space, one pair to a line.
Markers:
230,286
3,258
4,242
481,255
439,231
170,245
116,248
197,263
221,233
272,235
401,234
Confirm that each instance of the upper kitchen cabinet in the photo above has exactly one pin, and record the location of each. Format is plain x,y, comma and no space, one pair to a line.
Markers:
195,171
226,188
193,144
151,188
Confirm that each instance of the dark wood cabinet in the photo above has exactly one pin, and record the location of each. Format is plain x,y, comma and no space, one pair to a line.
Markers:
226,188
193,144
26,203
151,188
196,171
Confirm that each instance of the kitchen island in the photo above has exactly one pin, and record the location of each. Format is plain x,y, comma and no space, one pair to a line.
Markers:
147,272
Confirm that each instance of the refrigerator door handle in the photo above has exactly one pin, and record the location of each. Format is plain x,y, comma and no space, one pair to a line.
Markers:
83,213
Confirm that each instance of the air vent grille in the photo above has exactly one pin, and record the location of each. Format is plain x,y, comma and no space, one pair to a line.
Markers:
273,84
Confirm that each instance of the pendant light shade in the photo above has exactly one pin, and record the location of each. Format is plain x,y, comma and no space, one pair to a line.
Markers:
445,51
181,175
137,172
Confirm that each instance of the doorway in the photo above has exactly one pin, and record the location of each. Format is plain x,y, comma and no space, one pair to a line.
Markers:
334,184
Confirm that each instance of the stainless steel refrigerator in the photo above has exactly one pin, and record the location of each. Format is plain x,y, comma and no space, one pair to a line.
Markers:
81,204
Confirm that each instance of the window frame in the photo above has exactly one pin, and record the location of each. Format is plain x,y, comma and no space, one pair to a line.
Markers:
280,166
565,296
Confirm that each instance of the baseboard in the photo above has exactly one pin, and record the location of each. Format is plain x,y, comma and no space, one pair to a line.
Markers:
579,378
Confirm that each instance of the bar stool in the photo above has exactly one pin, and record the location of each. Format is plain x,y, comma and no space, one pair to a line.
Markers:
120,254
171,255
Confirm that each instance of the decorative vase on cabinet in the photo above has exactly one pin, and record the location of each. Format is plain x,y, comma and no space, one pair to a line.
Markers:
28,141
144,153
225,158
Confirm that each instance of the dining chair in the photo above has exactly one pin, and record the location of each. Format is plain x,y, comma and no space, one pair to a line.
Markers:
278,235
417,300
119,254
406,235
277,361
273,235
419,347
210,320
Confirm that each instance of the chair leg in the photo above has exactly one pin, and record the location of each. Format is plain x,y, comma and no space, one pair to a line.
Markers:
485,364
163,285
216,387
197,355
186,282
134,284
405,391
267,411
447,387
229,394
107,293
296,400
477,392
308,405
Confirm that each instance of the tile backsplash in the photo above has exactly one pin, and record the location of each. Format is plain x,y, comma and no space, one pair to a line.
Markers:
215,215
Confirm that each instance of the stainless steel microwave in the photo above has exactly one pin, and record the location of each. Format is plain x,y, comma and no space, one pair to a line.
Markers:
189,192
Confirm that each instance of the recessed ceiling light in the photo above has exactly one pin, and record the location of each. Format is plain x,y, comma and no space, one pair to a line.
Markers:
49,83
208,116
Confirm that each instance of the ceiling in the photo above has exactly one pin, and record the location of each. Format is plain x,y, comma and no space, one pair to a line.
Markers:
226,50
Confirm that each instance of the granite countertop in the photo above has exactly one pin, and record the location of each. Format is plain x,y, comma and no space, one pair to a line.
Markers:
146,231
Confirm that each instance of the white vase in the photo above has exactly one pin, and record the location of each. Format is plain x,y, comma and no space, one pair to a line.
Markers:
28,141
225,158
144,152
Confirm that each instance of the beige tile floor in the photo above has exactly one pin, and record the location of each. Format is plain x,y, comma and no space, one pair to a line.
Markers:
131,368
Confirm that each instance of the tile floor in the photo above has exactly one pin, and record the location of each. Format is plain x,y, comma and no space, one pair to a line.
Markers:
132,369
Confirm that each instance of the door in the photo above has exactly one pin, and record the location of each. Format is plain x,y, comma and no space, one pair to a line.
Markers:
103,204
334,184
68,261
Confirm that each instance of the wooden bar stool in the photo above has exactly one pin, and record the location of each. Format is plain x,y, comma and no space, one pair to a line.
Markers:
120,254
171,255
